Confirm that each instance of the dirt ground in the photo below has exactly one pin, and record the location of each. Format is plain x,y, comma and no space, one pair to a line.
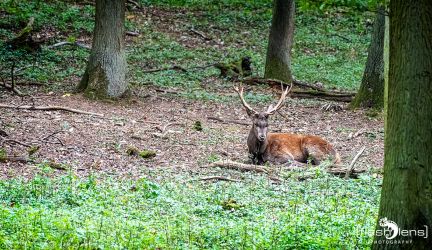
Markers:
166,124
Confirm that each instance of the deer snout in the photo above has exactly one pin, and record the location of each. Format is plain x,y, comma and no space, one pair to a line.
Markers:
261,138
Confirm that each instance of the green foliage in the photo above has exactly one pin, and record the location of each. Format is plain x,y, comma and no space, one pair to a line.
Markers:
198,126
70,212
359,5
60,14
147,154
329,47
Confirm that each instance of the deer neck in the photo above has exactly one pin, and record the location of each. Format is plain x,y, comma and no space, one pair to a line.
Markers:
256,147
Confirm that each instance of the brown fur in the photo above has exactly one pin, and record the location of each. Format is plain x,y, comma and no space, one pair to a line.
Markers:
282,148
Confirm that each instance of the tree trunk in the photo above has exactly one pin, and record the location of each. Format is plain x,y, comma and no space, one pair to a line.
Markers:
278,62
105,74
371,92
406,196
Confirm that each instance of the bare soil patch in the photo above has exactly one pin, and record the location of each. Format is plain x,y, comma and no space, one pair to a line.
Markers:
166,124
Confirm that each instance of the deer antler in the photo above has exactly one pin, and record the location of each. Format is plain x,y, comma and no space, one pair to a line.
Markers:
271,110
249,110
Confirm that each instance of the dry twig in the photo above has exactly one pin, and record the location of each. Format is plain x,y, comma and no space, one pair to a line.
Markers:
218,178
85,46
200,34
47,108
353,162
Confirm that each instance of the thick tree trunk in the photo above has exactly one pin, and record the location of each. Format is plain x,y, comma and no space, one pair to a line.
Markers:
371,92
406,197
105,74
278,62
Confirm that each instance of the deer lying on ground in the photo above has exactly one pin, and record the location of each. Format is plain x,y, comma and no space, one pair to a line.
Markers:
283,147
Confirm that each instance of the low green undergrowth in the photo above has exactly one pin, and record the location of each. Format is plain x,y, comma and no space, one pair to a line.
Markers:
330,45
111,213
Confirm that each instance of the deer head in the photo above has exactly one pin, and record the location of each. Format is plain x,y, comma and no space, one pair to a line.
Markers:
260,119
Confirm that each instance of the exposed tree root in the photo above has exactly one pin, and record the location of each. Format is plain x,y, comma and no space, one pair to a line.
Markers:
28,107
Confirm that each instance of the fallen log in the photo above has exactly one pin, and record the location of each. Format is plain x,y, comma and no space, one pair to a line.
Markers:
239,166
326,95
336,170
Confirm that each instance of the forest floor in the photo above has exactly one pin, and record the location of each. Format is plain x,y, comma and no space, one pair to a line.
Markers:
165,124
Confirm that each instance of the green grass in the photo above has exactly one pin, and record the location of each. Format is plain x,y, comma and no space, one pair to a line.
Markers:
107,213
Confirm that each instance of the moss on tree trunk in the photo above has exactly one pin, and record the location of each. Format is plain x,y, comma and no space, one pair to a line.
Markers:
105,74
371,92
278,61
406,197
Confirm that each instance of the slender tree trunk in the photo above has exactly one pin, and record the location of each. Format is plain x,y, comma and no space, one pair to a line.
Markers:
278,62
371,92
406,197
105,74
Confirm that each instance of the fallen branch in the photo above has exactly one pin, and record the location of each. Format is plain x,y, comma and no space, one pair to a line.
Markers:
218,178
15,142
134,3
313,92
178,68
14,159
227,121
164,131
168,91
359,132
344,38
353,162
27,67
200,34
239,166
45,139
275,82
69,43
132,33
332,96
174,67
28,107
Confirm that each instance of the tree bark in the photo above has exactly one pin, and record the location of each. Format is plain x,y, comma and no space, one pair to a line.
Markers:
406,196
105,74
371,92
278,61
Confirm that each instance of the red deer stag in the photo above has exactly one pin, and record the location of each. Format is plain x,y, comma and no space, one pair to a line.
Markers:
283,147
